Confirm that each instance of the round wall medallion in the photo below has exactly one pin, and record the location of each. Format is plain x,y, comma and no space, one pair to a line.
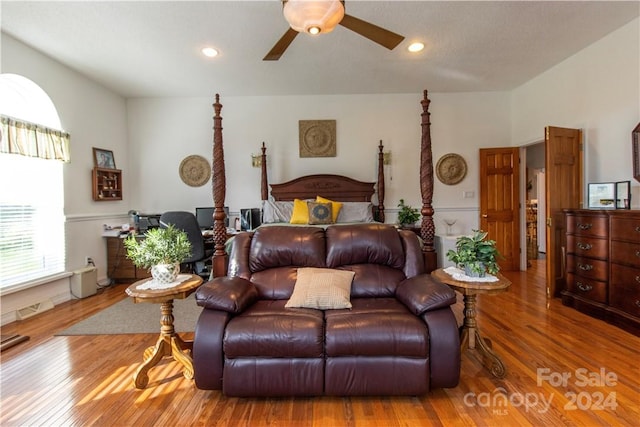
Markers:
195,171
451,169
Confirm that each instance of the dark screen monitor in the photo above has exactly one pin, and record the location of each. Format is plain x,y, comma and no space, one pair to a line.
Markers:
205,217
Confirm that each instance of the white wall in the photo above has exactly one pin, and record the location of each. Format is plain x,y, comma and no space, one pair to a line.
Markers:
162,132
598,90
95,117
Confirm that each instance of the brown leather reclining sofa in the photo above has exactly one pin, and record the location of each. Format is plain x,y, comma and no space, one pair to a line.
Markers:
399,338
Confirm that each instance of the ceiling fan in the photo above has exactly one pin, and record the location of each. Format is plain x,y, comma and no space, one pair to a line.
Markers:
322,16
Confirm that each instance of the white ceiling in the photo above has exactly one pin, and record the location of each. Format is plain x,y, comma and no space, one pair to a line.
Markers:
152,48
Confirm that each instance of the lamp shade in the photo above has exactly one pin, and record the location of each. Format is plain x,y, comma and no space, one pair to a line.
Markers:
313,16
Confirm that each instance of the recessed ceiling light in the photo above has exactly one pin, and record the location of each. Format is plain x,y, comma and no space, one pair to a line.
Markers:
210,52
415,47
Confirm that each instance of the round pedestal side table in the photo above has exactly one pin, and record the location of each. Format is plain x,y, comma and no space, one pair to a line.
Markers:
470,337
169,343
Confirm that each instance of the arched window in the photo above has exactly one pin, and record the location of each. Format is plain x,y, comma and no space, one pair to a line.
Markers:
32,145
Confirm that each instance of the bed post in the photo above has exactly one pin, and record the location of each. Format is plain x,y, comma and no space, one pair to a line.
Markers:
218,181
427,228
380,182
264,184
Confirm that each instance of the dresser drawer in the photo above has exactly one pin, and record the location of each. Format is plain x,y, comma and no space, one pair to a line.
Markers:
624,291
625,253
587,225
627,229
587,267
594,290
587,246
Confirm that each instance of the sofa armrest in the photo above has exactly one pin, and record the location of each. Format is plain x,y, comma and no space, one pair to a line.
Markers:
230,294
444,347
423,293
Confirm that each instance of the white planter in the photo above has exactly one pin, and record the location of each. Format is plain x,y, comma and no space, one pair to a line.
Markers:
165,273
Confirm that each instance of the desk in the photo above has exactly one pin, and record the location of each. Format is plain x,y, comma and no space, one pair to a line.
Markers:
169,343
120,269
470,333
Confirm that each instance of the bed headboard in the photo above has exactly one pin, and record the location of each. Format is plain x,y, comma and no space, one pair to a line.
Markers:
334,187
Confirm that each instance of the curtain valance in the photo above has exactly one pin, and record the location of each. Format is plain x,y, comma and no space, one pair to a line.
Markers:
29,139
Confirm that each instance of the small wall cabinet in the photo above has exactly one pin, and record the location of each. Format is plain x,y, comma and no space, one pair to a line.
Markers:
106,184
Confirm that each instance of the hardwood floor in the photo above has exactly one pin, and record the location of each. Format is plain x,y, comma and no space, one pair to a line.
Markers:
563,368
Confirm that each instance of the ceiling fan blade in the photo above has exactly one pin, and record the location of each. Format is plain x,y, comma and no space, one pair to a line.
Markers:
371,31
276,51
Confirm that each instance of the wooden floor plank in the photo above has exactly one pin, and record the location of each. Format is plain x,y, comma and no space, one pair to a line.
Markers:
87,380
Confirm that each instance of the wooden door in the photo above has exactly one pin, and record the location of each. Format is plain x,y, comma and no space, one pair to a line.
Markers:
563,167
499,202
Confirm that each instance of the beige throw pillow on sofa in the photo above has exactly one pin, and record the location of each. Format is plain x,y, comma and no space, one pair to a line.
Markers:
322,288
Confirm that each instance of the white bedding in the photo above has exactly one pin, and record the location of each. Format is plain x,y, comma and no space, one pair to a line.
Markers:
351,212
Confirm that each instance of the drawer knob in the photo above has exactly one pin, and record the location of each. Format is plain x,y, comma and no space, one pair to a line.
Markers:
585,226
638,254
585,246
638,229
637,303
585,267
638,279
583,287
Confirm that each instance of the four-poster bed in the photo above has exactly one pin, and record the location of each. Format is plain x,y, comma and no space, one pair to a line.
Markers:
334,187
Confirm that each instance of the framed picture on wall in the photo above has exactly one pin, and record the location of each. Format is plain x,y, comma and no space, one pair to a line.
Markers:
103,158
602,195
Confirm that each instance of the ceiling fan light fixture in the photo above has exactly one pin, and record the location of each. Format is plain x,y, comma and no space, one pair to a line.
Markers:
209,52
415,47
313,16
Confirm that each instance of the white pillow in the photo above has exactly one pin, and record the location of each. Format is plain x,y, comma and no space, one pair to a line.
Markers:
322,289
276,211
356,212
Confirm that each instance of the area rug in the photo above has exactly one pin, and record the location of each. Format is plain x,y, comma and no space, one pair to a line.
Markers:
126,317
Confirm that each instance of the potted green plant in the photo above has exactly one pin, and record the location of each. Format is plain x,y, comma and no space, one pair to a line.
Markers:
161,250
407,215
476,254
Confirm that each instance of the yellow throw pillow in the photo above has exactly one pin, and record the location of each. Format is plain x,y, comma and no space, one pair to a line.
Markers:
336,206
300,213
322,289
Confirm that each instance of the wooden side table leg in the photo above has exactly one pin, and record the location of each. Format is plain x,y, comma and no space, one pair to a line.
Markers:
178,352
471,338
162,348
470,324
153,355
490,359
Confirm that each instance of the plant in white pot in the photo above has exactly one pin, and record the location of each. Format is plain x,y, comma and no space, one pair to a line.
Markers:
407,215
475,254
161,250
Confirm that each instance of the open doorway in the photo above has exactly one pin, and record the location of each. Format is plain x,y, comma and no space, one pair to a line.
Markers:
535,198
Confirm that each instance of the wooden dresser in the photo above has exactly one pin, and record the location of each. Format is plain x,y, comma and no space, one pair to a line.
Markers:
603,265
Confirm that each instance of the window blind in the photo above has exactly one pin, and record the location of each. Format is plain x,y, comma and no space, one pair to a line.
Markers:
32,238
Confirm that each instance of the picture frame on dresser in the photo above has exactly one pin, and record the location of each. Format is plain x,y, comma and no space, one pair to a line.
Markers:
623,195
635,151
602,195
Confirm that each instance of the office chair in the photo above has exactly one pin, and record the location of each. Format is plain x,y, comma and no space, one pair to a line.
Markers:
186,221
